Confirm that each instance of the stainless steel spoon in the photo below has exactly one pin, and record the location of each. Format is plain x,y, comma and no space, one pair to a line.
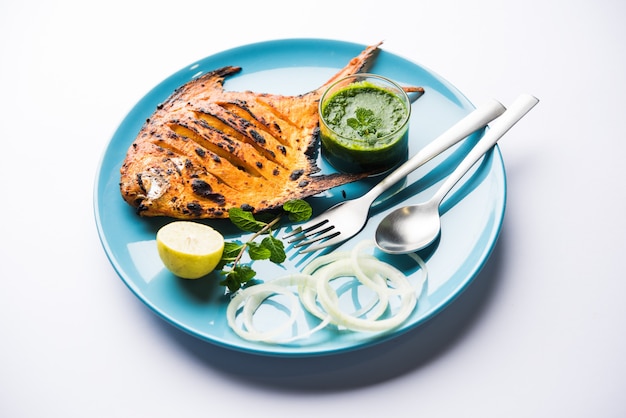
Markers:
411,228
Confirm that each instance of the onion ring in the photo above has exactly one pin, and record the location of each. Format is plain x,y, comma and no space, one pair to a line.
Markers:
316,296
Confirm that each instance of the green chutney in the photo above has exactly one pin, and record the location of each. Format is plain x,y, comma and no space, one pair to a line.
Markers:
364,128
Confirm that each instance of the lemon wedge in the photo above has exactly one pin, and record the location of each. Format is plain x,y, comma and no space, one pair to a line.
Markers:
190,250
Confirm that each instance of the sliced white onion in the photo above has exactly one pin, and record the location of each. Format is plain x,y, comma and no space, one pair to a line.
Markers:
249,300
317,296
327,296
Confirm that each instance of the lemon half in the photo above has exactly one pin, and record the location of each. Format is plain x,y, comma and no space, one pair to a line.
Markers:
188,249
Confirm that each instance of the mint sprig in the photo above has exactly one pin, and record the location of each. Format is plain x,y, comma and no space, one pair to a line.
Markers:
365,123
269,248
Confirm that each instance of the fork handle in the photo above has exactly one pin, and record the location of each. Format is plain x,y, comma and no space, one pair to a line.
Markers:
522,105
477,119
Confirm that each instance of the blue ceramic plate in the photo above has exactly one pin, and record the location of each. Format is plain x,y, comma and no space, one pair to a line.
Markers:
471,221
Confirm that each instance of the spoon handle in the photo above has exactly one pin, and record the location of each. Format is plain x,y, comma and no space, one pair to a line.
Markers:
520,107
477,119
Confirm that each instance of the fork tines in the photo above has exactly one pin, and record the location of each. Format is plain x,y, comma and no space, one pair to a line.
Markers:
311,234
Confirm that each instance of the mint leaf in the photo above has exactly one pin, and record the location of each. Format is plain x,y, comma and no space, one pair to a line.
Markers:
258,251
298,210
353,123
239,275
244,273
374,122
276,249
230,253
244,220
231,249
364,115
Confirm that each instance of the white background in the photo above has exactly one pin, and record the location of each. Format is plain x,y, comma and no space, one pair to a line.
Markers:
540,332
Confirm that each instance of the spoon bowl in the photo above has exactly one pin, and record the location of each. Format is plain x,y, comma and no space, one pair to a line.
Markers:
411,228
397,232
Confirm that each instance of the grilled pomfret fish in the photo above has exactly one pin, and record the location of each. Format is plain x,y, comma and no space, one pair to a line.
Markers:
205,150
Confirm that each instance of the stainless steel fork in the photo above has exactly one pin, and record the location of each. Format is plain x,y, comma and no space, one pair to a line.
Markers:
346,219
